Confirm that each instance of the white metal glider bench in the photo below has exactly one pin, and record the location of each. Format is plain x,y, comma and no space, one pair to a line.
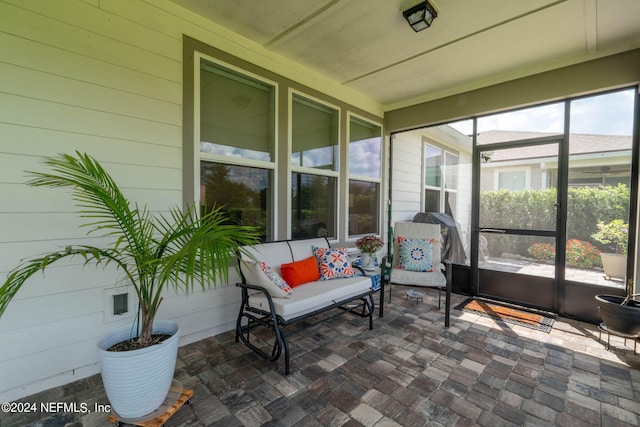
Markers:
269,302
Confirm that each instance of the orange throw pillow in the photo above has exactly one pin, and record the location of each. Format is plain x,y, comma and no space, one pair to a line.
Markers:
299,272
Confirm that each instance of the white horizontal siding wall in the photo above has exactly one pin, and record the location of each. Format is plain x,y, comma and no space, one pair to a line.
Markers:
406,176
102,77
464,199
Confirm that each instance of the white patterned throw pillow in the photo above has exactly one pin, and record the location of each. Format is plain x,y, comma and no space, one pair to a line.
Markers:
260,274
416,254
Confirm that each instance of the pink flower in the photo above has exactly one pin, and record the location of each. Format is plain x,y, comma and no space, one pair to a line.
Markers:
369,244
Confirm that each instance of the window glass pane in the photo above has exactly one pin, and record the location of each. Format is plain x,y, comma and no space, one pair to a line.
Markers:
315,135
432,200
463,127
363,207
451,203
606,114
432,160
447,162
236,114
313,200
365,148
529,123
521,198
512,180
600,140
244,192
451,171
600,154
530,255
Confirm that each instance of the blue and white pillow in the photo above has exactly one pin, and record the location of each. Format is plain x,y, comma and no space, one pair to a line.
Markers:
416,254
333,263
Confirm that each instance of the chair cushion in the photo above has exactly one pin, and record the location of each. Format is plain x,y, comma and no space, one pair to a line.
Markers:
416,254
313,296
405,277
261,274
333,263
299,272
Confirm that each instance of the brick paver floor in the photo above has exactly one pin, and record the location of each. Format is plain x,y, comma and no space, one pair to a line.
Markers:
408,371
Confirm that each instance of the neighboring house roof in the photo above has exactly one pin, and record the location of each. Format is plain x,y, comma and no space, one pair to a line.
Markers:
579,144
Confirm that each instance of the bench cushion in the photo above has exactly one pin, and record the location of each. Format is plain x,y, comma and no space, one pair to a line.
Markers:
312,296
273,254
302,249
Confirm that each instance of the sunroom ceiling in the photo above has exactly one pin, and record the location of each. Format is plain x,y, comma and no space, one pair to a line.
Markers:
367,45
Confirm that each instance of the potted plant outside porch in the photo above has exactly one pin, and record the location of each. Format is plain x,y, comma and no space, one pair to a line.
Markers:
615,234
179,249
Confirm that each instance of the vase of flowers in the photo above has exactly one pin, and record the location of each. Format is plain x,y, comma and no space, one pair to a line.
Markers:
368,246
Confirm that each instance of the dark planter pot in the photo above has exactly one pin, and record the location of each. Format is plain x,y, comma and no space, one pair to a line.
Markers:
619,318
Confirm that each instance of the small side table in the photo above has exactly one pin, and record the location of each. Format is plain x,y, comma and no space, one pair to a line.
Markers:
376,283
411,294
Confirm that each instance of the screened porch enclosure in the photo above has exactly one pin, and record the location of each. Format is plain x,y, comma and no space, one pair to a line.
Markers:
192,106
535,193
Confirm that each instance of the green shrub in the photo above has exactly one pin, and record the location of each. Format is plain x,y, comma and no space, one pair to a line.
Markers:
536,209
582,254
614,233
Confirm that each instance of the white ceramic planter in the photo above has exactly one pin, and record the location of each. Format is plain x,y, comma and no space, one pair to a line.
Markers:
368,261
614,265
138,381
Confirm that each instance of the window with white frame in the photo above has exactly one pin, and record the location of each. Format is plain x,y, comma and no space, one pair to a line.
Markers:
513,179
237,144
440,179
314,168
236,158
365,173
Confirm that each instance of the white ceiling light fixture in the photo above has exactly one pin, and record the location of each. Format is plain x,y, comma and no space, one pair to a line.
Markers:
420,16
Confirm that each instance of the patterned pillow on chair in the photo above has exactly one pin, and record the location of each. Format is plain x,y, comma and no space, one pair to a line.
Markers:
333,262
416,254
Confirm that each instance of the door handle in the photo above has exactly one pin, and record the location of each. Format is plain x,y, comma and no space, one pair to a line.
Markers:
492,230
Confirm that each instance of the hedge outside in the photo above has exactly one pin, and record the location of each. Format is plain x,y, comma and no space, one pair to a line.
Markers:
535,209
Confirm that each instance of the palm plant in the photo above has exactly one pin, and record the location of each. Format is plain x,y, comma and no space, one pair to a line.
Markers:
179,249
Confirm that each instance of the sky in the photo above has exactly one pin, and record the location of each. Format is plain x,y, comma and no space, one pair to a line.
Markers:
607,114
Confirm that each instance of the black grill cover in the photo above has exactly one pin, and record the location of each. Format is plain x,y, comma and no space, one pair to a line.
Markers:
452,248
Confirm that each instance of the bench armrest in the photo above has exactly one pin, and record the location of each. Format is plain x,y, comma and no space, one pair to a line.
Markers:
245,296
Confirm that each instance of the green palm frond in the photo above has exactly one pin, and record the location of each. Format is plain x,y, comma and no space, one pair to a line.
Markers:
198,249
94,191
19,275
180,248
